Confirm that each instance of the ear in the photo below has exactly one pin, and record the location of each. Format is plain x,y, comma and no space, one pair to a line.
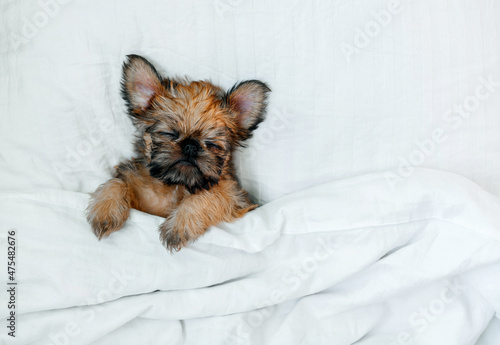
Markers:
140,83
248,100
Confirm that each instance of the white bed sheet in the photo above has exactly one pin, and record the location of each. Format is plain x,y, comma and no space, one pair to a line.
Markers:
341,263
340,106
358,87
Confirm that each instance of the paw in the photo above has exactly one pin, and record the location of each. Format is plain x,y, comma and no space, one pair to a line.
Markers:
173,238
108,210
242,211
104,224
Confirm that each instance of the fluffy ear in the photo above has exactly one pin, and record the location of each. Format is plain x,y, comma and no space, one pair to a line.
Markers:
140,82
248,100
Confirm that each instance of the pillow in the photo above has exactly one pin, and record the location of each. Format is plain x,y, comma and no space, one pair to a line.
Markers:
358,86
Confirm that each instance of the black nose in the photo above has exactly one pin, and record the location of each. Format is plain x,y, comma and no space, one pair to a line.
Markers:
190,147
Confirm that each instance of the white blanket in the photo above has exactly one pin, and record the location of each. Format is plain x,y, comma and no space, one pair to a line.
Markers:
346,262
368,88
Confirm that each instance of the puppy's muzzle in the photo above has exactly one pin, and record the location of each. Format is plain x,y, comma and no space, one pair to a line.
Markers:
190,148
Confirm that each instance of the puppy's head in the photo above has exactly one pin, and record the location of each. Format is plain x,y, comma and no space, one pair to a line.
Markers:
188,130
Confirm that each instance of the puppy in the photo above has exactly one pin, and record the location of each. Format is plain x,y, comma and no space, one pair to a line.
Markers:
182,169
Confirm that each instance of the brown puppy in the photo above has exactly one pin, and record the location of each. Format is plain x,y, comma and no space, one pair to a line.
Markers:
183,170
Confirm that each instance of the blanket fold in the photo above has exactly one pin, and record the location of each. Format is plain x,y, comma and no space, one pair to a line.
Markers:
344,262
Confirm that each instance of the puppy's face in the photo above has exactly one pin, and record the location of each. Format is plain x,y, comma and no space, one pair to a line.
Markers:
189,129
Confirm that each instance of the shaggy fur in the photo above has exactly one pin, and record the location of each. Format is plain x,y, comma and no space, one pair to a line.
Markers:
183,170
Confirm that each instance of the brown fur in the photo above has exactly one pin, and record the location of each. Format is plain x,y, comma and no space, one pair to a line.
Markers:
183,170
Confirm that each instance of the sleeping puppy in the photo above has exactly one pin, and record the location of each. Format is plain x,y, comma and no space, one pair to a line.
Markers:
183,169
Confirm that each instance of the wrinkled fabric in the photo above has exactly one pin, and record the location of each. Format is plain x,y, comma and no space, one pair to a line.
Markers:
347,262
355,241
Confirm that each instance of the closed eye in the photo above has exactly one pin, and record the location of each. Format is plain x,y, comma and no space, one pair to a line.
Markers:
212,145
171,135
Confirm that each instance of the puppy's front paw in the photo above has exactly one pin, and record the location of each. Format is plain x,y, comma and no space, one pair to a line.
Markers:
173,238
108,209
103,223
